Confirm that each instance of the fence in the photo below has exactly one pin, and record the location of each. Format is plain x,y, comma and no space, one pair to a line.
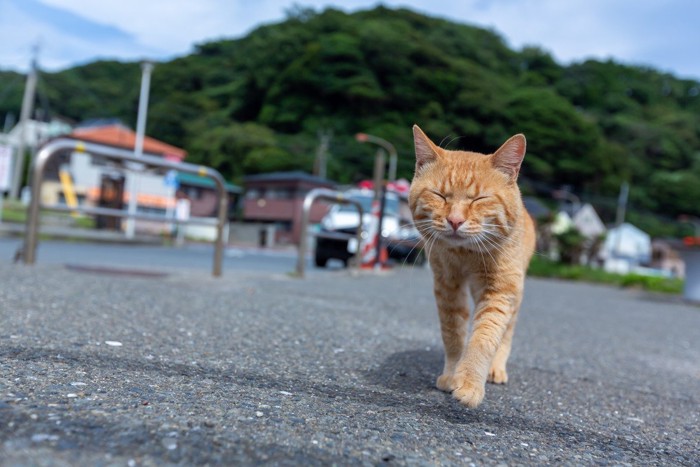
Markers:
335,197
59,146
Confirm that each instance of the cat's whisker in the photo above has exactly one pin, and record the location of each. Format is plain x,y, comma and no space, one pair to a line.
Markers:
452,140
482,241
423,223
495,249
443,140
505,253
496,240
481,254
500,236
497,231
417,245
405,260
431,243
504,239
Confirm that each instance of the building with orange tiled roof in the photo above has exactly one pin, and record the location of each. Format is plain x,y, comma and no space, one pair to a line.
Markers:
98,181
120,136
106,183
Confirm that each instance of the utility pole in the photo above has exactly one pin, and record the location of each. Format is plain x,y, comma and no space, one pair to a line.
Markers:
621,212
25,115
622,204
321,161
146,69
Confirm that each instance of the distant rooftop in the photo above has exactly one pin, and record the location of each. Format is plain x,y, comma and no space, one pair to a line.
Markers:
296,176
95,122
206,182
118,135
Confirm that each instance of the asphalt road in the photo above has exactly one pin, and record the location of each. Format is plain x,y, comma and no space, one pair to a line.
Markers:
335,369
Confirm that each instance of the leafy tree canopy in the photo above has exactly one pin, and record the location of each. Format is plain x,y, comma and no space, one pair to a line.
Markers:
258,103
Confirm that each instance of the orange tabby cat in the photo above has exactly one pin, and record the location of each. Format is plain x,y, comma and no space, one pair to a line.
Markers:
478,237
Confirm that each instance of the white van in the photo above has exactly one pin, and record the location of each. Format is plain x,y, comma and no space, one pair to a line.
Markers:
400,240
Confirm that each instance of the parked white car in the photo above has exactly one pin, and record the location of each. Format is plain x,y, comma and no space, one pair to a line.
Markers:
335,240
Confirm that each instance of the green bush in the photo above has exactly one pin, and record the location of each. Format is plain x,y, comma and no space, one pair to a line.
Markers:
571,243
657,284
13,211
543,267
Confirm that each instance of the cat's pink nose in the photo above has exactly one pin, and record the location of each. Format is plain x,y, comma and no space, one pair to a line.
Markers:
455,222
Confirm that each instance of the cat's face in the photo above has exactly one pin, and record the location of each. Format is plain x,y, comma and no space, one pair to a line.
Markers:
466,199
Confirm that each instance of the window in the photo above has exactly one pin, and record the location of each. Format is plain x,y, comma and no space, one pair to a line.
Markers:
254,193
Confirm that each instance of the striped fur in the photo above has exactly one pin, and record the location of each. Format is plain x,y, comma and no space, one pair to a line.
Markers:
479,239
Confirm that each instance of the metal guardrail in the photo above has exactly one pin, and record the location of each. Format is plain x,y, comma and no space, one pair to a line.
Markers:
335,197
59,146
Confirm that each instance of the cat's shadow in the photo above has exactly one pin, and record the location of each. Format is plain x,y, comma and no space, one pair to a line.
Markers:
409,371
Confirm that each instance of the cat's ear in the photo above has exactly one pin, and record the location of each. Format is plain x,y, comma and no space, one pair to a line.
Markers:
426,151
509,156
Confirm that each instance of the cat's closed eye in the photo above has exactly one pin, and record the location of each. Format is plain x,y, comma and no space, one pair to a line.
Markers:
438,194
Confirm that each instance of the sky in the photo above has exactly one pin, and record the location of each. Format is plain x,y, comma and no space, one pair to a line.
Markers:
663,34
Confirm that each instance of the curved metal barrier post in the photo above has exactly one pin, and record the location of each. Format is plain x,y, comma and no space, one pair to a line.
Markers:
58,146
335,197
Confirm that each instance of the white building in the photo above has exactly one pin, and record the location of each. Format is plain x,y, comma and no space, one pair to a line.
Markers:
35,133
587,222
626,248
96,181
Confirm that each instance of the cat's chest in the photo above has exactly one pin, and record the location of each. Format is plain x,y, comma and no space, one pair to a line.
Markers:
463,262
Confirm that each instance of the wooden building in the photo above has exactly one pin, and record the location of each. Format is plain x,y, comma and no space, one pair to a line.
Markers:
276,199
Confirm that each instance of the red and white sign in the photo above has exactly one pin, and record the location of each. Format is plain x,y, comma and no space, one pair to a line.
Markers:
401,186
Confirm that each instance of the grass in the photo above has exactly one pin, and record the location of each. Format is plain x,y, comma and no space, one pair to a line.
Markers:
15,211
543,267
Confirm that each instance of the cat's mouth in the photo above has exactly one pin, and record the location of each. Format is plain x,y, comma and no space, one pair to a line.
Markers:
461,237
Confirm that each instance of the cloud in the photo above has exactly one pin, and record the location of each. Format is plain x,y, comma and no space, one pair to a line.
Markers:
63,38
645,32
175,25
659,34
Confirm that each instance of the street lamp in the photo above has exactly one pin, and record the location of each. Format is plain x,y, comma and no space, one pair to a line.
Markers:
146,69
365,138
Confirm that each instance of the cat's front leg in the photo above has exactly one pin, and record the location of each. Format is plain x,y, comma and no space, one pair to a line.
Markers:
493,315
453,311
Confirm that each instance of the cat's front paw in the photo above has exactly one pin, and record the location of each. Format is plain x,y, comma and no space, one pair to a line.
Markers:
498,375
446,382
469,394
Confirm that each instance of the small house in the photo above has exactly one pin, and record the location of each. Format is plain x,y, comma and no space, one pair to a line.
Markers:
274,201
587,221
667,259
626,247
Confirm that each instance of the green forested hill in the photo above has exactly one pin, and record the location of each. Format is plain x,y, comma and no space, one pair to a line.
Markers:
258,104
